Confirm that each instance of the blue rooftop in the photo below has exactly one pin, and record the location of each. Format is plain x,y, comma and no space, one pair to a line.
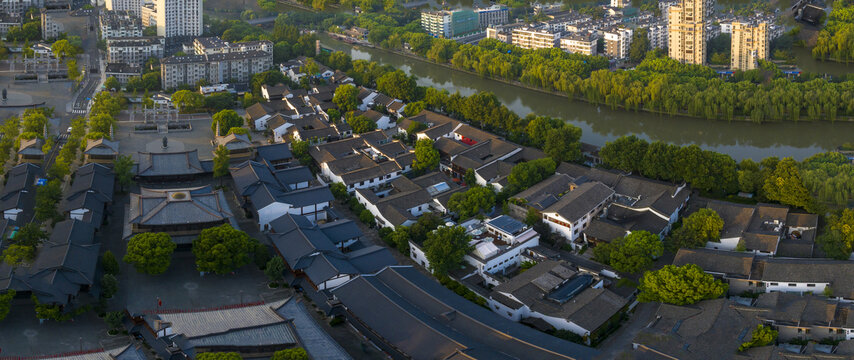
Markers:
507,224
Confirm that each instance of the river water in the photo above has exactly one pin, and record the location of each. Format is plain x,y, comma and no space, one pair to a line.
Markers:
600,124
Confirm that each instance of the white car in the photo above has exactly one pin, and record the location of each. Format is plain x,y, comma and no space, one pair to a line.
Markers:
69,130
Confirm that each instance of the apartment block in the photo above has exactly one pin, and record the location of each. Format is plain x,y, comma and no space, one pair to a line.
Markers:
449,24
119,24
493,15
686,24
617,41
132,6
50,27
134,51
656,32
8,21
18,7
580,43
215,45
531,38
148,12
178,18
216,67
750,42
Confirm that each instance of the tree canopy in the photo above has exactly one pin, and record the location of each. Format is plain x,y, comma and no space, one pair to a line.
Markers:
346,97
445,248
226,119
632,254
150,253
426,156
763,335
222,249
679,285
290,354
5,300
361,124
838,236
526,174
475,200
697,229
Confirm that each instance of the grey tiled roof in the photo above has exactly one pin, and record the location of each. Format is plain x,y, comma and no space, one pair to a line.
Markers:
178,206
101,146
424,320
206,323
170,164
733,264
580,201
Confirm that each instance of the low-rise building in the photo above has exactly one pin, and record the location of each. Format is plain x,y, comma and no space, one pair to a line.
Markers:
90,195
408,298
182,213
171,166
134,51
572,213
757,229
18,198
369,160
316,252
101,151
403,200
63,268
499,245
250,330
271,193
30,151
562,297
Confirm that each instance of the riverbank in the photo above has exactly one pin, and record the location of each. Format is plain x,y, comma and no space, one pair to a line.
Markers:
738,118
601,124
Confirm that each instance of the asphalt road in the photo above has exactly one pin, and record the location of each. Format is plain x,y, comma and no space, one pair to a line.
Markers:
91,81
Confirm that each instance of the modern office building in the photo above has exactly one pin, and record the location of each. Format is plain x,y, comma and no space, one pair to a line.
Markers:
177,18
686,24
449,24
750,43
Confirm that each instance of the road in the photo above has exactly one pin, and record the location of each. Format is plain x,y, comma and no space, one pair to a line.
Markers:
91,81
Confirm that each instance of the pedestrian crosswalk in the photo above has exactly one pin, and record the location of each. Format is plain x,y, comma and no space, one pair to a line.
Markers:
78,111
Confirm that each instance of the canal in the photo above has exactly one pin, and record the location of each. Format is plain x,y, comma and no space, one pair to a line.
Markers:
601,124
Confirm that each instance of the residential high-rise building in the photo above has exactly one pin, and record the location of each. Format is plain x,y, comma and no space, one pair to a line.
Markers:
620,3
530,38
449,24
493,15
132,6
178,18
617,41
217,62
119,24
148,12
749,44
580,43
50,27
687,27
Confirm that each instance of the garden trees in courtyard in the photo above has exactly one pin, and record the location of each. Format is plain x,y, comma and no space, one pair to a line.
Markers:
150,253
